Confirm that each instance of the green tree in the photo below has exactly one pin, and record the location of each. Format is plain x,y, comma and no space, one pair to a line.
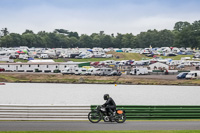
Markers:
74,42
28,32
96,42
179,26
4,31
166,38
85,41
117,42
106,41
127,40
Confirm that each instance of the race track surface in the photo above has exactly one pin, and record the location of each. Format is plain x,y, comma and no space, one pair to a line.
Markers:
87,126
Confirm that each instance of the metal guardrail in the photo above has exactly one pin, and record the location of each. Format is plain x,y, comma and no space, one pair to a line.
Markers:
44,112
145,112
80,112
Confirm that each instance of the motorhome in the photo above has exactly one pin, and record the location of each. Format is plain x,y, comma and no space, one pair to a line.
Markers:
23,56
80,71
107,56
193,75
44,56
104,71
138,63
139,71
93,71
123,62
109,62
68,71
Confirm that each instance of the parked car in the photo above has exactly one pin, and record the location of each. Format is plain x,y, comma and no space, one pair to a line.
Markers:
180,66
181,75
2,69
115,73
149,55
78,57
171,54
197,55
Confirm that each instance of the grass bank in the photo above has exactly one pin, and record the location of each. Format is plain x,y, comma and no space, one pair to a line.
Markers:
59,78
121,55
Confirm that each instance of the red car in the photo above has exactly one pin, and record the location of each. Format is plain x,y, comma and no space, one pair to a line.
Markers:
2,69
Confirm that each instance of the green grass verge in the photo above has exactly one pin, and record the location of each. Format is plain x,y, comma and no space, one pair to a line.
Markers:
137,131
20,60
122,56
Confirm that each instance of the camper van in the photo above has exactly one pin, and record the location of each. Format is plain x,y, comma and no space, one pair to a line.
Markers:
92,71
139,71
80,71
193,75
109,62
68,71
23,56
44,56
104,71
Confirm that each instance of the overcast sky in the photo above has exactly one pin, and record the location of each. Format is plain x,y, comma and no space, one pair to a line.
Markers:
92,16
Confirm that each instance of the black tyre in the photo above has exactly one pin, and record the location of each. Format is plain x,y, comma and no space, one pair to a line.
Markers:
120,118
94,117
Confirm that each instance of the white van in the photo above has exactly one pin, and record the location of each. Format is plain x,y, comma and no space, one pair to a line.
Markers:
93,71
109,62
139,71
123,62
105,71
80,71
68,71
193,75
23,56
44,56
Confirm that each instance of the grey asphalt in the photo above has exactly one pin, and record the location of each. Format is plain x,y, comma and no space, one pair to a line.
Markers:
87,126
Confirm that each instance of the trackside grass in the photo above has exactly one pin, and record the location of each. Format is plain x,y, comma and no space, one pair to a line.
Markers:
137,131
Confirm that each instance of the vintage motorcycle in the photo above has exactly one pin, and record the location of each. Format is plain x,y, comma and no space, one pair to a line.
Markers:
99,113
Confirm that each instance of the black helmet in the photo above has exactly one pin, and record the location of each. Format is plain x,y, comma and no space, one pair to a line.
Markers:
106,96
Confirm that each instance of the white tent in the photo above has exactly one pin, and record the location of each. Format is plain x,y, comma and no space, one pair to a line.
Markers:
158,65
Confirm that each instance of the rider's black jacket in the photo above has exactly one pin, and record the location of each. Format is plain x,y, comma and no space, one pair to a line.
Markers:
110,102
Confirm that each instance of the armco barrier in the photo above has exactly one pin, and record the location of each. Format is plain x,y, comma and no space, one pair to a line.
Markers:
80,112
142,112
44,112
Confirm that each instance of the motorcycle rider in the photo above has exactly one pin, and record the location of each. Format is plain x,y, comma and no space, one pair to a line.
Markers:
109,104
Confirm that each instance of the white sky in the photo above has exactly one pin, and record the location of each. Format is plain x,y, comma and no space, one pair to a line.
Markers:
92,16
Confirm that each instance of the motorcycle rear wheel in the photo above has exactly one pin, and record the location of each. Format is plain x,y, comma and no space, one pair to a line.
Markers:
120,118
94,117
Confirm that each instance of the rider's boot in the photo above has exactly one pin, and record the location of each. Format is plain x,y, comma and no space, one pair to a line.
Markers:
111,116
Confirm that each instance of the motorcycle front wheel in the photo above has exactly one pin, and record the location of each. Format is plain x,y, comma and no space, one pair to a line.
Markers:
120,118
94,117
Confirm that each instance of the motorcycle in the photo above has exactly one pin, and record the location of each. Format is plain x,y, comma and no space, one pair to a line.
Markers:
100,113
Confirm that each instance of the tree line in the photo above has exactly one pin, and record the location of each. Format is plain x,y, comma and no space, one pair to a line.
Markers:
184,34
